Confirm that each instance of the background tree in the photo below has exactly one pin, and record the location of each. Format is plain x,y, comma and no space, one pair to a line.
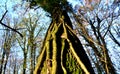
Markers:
30,42
25,25
94,25
8,43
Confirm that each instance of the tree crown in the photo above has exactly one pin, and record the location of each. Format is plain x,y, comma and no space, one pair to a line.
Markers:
50,5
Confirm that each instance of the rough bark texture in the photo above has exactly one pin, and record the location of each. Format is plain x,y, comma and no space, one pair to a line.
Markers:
62,52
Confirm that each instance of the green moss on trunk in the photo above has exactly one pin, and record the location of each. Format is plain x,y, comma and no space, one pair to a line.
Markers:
62,52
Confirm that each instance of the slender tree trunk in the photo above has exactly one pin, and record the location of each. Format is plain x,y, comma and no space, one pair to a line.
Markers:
108,65
7,56
1,66
24,63
32,49
34,56
15,68
31,66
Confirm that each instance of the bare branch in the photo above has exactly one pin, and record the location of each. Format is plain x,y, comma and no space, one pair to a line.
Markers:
8,26
113,38
4,15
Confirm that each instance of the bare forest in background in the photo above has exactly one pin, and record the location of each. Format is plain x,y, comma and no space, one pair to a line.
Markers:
24,33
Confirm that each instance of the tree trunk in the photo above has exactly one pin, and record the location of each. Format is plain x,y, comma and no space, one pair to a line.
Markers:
32,51
24,63
5,64
62,52
2,61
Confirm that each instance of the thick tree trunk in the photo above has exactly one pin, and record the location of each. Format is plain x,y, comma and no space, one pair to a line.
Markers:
62,52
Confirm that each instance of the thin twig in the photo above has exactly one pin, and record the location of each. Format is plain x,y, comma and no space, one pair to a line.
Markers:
4,15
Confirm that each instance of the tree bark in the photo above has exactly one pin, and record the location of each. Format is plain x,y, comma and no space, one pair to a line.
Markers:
62,52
